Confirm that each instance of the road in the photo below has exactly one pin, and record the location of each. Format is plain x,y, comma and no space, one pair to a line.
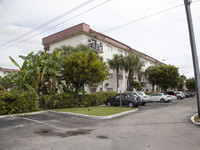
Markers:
155,127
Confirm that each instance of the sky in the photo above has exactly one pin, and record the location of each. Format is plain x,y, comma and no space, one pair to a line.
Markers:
163,36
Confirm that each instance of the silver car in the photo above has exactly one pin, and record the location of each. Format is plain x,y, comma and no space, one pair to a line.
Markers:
160,97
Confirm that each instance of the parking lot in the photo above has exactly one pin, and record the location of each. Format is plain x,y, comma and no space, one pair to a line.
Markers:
156,125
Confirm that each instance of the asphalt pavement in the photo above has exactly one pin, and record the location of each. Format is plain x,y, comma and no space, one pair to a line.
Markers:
157,126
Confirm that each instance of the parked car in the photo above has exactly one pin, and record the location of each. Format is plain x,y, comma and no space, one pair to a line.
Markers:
187,94
144,98
127,99
180,95
172,94
160,97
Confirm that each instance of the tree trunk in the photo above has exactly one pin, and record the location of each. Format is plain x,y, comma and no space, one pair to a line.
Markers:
117,78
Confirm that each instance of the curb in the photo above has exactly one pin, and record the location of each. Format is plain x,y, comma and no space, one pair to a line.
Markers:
96,117
25,114
193,121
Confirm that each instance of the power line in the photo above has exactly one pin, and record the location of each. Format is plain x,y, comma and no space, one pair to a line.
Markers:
55,25
154,14
47,23
142,18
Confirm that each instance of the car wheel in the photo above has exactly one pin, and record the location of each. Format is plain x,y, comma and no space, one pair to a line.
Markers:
162,100
178,97
130,104
108,104
143,104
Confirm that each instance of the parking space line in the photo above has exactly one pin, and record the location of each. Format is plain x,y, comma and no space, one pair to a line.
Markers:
40,122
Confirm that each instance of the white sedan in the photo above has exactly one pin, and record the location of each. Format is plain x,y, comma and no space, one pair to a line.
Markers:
160,97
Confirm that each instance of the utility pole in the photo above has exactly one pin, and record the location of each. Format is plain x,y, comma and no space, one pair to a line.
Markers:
194,51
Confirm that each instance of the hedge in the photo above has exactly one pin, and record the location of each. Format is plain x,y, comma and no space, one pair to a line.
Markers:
26,101
67,100
18,102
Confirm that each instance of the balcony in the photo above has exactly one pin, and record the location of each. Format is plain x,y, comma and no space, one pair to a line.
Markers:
97,47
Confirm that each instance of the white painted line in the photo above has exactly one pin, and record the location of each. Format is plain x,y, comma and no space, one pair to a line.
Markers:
40,122
25,114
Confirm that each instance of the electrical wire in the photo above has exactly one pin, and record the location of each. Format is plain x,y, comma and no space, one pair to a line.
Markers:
47,23
55,25
154,14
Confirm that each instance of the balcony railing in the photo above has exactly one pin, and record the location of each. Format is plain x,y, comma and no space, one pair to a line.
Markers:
97,47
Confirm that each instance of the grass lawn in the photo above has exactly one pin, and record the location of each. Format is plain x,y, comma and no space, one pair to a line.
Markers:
95,111
197,119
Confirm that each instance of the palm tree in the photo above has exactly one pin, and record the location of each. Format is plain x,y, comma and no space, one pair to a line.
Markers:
116,63
131,63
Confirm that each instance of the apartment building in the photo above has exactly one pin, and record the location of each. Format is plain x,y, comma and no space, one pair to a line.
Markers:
5,71
105,46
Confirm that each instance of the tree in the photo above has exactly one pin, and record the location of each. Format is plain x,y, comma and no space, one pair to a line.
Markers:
190,84
151,75
38,72
166,76
131,63
116,63
181,83
82,68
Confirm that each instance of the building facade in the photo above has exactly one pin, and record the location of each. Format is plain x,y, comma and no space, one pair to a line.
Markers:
5,71
106,47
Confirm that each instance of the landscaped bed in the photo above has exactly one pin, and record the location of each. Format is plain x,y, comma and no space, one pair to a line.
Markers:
196,118
96,111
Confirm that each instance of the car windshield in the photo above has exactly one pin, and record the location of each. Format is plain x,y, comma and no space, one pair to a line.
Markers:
141,93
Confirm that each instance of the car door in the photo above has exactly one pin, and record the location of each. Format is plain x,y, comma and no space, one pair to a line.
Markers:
116,100
125,99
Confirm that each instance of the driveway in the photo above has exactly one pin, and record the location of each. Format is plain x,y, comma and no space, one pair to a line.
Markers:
155,127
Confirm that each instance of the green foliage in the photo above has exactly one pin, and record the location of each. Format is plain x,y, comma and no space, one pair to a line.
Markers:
150,93
116,63
137,85
101,96
131,63
66,100
166,76
18,102
82,68
181,82
190,84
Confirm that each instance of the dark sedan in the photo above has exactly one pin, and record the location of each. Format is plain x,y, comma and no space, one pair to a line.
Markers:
127,99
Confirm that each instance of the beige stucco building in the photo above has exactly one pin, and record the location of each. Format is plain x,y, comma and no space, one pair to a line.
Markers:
105,47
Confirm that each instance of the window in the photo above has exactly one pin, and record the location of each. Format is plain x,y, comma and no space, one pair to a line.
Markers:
120,51
109,48
93,89
120,77
109,89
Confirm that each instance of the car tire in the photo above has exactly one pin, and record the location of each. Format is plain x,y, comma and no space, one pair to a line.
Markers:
178,97
130,104
162,100
143,104
108,104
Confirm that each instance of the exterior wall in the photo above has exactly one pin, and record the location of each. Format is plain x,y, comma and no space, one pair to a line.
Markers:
108,51
72,41
2,73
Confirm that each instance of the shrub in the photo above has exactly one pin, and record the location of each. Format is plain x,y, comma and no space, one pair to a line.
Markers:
102,96
18,102
87,100
149,92
58,101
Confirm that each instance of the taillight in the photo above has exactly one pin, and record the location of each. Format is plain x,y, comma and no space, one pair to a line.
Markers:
174,94
135,99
